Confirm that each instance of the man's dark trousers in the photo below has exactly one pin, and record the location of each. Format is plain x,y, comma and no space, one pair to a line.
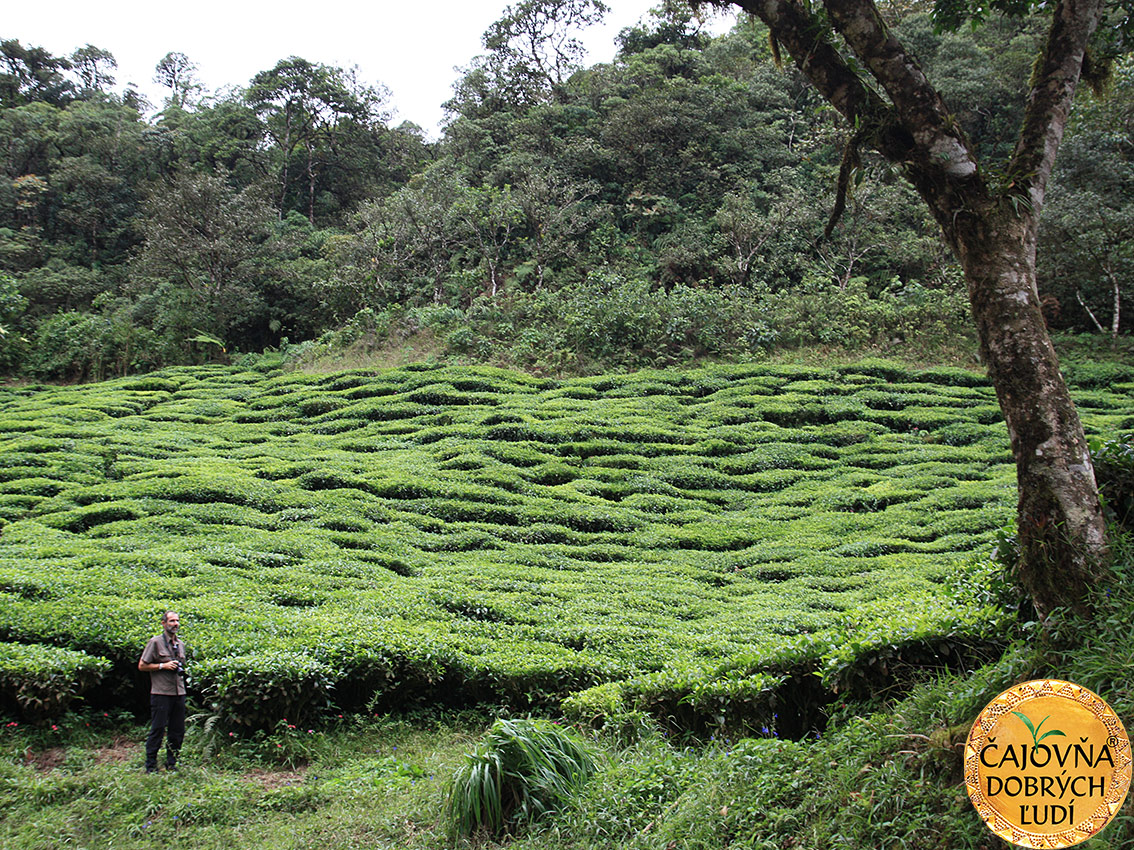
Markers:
166,712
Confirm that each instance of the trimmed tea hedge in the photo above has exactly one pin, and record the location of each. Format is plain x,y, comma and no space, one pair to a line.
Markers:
479,535
43,681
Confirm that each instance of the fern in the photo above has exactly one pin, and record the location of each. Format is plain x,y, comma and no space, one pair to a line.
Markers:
210,723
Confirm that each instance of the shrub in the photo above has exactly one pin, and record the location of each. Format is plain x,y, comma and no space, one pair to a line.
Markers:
522,771
89,345
909,315
44,680
1087,375
257,689
1114,467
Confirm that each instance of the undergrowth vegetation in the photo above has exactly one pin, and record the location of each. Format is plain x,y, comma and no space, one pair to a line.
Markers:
523,771
886,773
609,322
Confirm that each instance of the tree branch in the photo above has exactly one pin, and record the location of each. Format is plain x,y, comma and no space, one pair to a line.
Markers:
917,103
914,130
797,29
1049,102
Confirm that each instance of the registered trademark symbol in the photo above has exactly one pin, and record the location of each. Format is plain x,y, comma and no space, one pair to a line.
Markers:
1112,741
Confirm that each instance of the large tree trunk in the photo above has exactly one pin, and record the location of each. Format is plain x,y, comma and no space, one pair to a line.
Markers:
1060,522
992,228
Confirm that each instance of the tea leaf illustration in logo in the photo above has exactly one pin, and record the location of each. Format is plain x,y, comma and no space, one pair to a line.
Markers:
1036,737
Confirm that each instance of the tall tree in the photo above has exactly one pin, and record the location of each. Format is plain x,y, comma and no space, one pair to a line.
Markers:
671,22
1088,226
304,106
93,65
177,73
533,48
28,74
205,252
408,243
558,212
102,158
991,224
1092,225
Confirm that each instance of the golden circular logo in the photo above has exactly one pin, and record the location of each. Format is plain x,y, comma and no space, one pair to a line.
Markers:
1047,764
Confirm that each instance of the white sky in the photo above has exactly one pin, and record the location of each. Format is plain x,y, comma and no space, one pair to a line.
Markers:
410,47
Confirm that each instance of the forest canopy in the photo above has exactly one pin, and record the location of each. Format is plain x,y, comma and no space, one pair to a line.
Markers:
673,203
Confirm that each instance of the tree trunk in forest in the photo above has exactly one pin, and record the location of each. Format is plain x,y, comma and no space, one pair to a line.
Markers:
1117,308
283,176
1061,528
311,182
992,229
1116,302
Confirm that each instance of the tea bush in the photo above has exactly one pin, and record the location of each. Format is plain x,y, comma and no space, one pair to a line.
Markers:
44,681
1114,468
506,538
257,689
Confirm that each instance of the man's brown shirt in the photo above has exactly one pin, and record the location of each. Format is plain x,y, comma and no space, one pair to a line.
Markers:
159,650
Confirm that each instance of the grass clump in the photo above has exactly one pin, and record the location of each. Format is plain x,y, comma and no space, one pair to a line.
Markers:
523,770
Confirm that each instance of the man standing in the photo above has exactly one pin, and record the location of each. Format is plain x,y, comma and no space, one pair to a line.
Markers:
163,658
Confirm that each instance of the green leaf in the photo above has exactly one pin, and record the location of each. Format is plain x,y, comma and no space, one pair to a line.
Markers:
1036,737
1028,723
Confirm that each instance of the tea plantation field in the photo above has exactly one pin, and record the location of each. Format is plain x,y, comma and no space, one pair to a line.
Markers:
676,542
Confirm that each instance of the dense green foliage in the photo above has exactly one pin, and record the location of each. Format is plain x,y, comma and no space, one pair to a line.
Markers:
692,542
669,558
886,773
1114,468
523,771
42,681
688,184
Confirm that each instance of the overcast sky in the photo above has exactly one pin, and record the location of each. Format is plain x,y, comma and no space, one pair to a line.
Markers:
411,47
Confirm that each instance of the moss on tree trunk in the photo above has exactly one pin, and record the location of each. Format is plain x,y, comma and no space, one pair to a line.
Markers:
1060,521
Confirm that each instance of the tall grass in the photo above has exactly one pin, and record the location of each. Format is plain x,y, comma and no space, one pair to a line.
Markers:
521,771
